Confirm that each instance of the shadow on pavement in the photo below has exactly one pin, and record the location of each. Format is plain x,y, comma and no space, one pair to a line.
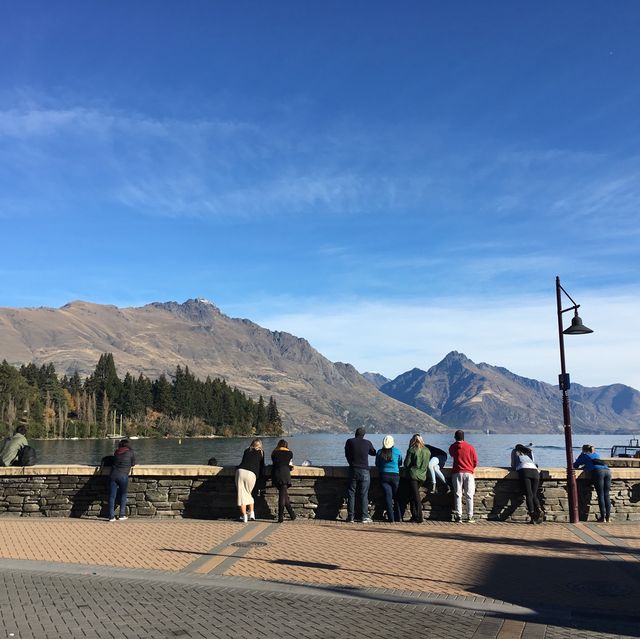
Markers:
462,534
590,592
313,564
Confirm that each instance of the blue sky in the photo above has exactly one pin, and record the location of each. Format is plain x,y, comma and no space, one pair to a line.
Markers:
389,180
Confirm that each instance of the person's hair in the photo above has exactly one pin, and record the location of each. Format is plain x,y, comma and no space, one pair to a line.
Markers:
587,448
123,442
22,430
256,444
360,432
521,448
386,454
416,441
459,435
282,444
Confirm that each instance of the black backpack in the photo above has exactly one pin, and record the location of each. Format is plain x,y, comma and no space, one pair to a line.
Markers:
26,457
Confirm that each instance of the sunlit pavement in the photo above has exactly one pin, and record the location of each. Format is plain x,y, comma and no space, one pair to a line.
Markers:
488,579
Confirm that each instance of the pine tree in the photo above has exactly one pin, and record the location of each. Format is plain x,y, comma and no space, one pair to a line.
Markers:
274,422
260,421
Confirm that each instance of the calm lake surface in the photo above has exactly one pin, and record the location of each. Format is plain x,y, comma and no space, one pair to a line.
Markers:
320,449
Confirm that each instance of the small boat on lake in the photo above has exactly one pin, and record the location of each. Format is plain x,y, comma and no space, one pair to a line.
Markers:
632,449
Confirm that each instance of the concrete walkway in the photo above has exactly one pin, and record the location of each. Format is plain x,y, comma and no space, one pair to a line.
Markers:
193,578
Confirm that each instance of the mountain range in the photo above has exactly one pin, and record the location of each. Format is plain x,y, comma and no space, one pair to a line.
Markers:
313,394
463,394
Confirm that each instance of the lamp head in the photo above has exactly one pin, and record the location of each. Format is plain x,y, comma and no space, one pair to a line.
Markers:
577,327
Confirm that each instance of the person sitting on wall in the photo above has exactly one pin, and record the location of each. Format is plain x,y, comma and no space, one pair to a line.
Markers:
13,445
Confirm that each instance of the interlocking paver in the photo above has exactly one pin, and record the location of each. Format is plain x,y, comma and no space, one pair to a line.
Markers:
565,568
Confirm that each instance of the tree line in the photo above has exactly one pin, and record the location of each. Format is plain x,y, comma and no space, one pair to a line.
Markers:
102,404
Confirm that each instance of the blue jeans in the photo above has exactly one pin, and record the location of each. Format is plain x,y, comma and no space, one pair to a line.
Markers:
121,482
601,478
359,480
390,483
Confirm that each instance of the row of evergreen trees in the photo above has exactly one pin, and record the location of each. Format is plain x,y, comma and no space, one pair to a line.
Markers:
103,404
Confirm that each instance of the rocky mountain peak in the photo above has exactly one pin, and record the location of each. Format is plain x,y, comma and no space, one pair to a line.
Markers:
196,309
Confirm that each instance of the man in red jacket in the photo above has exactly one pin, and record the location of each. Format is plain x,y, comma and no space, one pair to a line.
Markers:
465,461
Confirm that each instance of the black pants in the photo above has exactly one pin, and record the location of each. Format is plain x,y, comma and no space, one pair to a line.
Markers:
530,479
601,478
416,503
283,498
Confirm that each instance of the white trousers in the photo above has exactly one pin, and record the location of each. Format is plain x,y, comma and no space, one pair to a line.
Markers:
463,482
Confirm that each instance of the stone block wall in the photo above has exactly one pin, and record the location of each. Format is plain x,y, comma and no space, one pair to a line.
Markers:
209,492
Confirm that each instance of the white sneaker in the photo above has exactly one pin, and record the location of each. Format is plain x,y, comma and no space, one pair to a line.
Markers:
243,519
112,519
123,518
252,516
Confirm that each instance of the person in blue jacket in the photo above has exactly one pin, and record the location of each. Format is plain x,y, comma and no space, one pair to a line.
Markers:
388,462
590,460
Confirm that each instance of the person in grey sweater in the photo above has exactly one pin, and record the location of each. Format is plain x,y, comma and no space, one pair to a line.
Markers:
123,460
12,446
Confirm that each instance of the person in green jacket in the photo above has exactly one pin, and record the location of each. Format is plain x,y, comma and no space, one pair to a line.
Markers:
416,464
12,446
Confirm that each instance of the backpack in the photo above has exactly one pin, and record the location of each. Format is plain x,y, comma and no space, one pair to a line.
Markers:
107,461
26,457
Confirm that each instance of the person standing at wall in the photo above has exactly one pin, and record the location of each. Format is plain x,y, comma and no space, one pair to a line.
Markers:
589,459
251,468
357,451
523,463
388,462
465,462
416,463
281,459
124,460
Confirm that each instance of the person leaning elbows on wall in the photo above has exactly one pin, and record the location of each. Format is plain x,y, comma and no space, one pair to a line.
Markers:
124,460
281,459
13,445
523,463
416,463
388,462
590,460
251,468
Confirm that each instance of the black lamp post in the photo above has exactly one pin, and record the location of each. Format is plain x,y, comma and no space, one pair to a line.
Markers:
576,328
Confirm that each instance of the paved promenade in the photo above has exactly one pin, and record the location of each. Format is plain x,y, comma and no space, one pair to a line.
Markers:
192,578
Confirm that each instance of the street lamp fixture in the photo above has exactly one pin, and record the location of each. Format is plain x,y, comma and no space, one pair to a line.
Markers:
576,328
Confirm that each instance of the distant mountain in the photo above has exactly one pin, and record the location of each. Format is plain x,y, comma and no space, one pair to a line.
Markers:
462,394
313,394
376,379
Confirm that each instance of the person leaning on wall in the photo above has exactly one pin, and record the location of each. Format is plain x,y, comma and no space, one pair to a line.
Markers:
600,474
251,468
282,460
523,463
12,446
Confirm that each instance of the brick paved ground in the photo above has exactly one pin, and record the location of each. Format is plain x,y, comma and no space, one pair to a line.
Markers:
485,580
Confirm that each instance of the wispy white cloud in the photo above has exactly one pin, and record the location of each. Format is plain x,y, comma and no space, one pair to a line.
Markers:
519,333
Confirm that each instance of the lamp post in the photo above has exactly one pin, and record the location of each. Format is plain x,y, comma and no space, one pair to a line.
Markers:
576,328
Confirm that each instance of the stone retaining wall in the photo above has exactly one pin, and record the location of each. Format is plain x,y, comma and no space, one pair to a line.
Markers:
209,492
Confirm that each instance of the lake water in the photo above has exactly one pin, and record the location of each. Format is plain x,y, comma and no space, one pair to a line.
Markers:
320,449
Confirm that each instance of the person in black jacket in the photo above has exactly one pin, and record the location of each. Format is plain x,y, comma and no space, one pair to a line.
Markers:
123,460
281,477
248,472
357,451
